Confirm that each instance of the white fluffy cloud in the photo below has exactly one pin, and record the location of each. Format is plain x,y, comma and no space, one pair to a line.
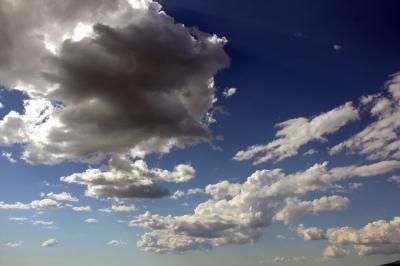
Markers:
228,92
50,243
381,138
63,196
334,252
8,156
81,208
296,132
378,237
310,233
45,223
123,178
18,219
91,221
104,77
237,213
36,204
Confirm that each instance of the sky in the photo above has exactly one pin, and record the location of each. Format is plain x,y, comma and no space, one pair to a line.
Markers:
135,132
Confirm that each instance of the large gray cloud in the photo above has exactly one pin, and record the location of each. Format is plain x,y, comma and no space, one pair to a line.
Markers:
116,77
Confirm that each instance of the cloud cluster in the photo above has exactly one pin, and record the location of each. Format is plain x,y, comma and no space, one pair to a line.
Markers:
381,138
123,178
296,132
378,237
310,233
237,213
105,77
36,204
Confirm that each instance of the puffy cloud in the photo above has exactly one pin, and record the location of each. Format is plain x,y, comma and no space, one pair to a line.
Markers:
123,178
238,213
296,132
13,244
63,196
310,233
116,77
378,237
81,208
45,204
36,204
91,221
333,251
8,156
228,92
192,191
50,243
123,208
295,209
116,243
380,139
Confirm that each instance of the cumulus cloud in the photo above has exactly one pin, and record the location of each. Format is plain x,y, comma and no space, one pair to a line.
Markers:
45,223
50,243
310,233
296,132
119,208
8,156
378,237
289,259
81,208
123,178
395,179
116,243
63,196
105,77
380,139
333,251
238,213
36,204
91,221
228,92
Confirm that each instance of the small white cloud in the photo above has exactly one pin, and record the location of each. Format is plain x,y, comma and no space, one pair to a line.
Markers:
91,220
14,244
311,233
395,179
116,243
46,223
18,219
333,251
280,236
310,152
228,92
63,196
81,209
8,156
49,243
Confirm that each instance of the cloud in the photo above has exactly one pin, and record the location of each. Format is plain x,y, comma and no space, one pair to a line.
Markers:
46,223
123,178
63,196
380,139
310,152
288,259
395,179
238,213
13,244
81,208
8,156
228,92
296,132
18,219
310,233
333,251
337,47
192,191
105,77
116,243
295,209
36,204
91,220
50,243
378,237
119,208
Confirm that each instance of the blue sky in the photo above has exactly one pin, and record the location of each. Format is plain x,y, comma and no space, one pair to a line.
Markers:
199,132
